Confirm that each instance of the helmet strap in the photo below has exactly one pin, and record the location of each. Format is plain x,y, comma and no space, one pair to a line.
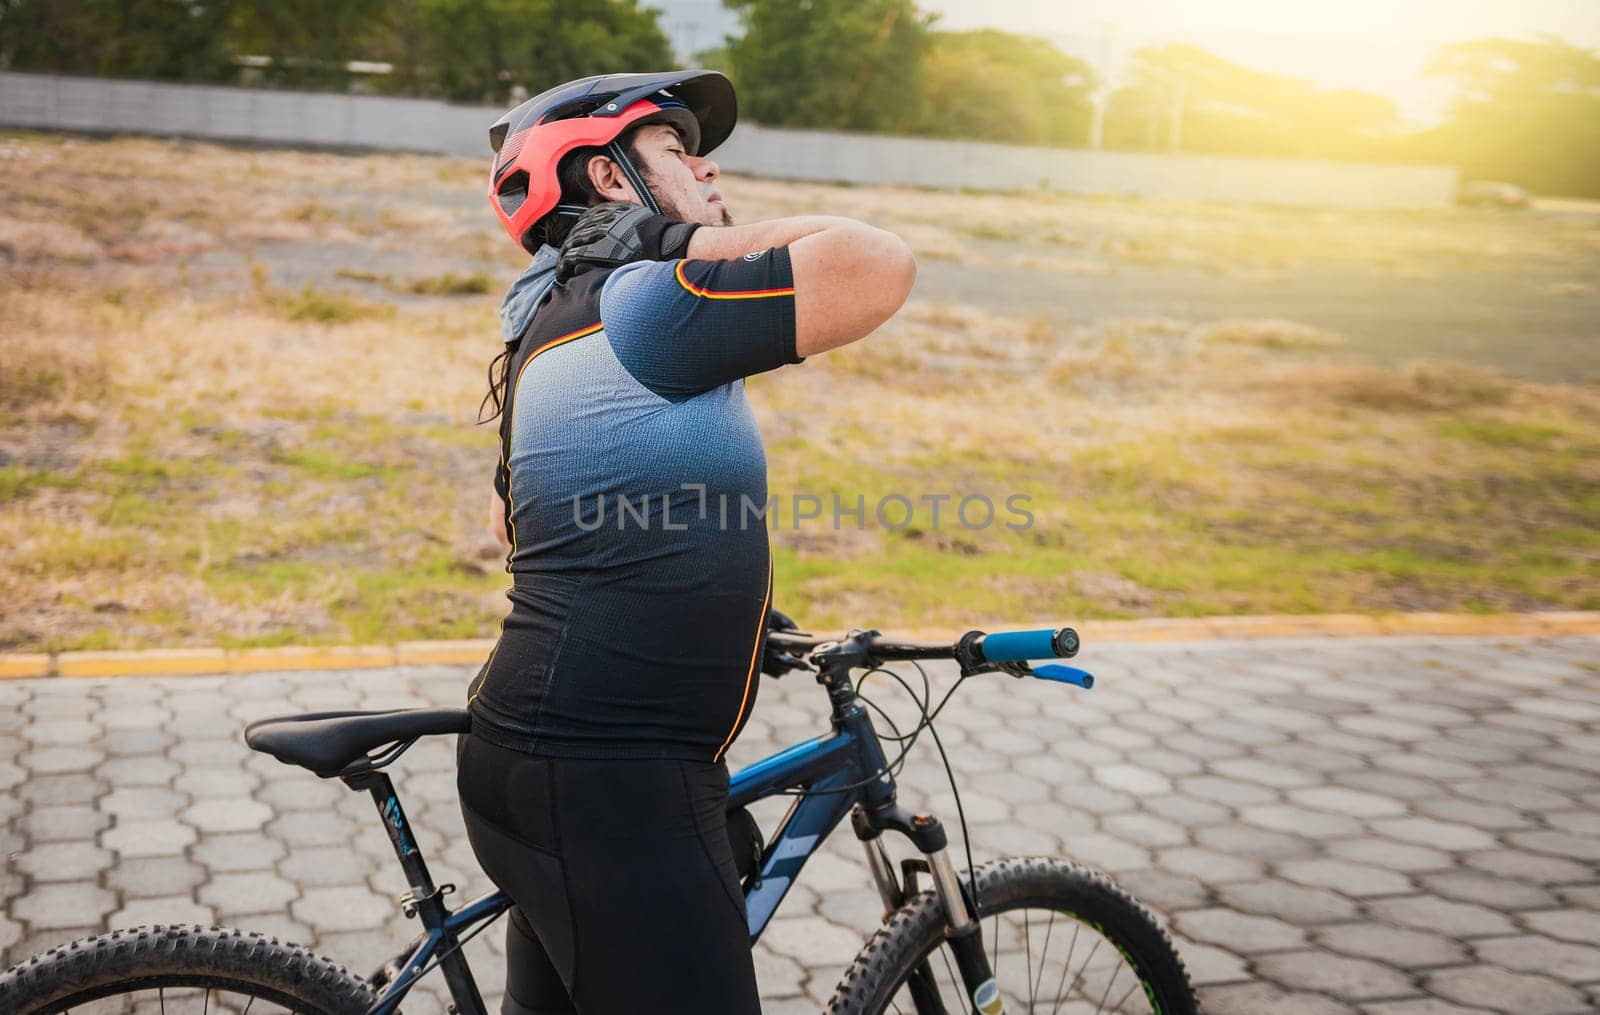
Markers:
619,155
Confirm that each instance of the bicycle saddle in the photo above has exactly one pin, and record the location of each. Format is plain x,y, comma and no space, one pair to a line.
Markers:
327,742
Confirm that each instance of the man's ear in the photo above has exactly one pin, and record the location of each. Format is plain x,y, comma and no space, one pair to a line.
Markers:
609,182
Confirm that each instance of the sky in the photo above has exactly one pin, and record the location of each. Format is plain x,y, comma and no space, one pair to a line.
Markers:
1375,45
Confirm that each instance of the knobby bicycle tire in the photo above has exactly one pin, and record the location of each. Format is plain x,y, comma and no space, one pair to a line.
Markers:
916,930
167,957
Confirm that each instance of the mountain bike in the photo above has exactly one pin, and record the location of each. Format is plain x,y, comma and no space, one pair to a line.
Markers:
977,939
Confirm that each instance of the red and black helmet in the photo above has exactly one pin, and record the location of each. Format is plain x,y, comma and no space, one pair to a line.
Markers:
530,141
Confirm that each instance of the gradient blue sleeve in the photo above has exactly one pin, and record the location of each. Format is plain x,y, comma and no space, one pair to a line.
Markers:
685,326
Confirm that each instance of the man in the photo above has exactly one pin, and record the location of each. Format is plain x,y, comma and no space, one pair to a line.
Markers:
593,783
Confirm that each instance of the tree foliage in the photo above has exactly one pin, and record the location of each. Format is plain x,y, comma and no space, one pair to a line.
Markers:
854,64
996,86
1220,106
134,38
1527,113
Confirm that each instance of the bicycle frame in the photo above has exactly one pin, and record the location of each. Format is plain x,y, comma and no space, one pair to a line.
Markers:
834,774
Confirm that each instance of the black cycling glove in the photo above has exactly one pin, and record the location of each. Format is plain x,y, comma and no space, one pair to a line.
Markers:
617,233
777,661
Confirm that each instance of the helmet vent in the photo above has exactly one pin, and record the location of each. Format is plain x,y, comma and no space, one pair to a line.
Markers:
513,190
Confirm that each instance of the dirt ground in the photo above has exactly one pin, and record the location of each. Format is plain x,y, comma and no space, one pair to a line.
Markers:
238,390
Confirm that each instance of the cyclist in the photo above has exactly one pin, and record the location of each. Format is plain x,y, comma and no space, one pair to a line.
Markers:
593,782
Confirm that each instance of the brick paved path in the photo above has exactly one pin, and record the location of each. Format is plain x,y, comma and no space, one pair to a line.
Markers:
1396,826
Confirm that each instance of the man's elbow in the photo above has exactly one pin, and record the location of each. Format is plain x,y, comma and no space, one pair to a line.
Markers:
893,271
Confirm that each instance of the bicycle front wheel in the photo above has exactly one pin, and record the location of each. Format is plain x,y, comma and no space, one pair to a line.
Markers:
178,971
1061,938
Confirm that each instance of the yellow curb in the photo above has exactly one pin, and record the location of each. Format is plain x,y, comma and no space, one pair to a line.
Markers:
13,667
444,653
471,651
310,657
142,664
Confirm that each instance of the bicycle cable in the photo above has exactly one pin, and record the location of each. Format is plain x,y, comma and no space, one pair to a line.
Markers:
908,741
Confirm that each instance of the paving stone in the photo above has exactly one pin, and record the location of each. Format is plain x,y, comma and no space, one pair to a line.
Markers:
147,838
1160,890
74,904
811,941
1186,811
61,790
1494,892
1345,978
1132,779
1505,991
1436,834
243,851
1352,879
253,892
61,758
1207,964
1419,912
1354,803
337,909
1238,931
1579,926
1532,953
1530,867
174,909
1208,865
1254,842
1230,792
1303,907
57,824
1408,949
1392,855
1421,1006
155,876
138,770
1146,830
1562,844
1268,999
227,815
1300,821
202,783
142,803
66,861
1488,817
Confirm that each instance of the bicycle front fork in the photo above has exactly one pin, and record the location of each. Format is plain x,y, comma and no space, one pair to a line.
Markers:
963,930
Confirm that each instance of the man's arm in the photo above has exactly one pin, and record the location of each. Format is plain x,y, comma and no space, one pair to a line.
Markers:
849,277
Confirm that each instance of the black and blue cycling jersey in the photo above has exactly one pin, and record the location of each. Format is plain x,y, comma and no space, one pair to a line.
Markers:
634,480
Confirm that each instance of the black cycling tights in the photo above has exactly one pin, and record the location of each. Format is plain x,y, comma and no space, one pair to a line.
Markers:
627,898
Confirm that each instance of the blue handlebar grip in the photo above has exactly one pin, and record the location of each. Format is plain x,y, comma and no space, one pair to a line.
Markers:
1019,646
1065,674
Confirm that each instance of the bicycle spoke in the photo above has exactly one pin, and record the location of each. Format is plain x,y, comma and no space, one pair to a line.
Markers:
205,1005
247,1005
1065,969
1033,988
1027,946
955,981
162,993
1079,978
1124,998
1102,1004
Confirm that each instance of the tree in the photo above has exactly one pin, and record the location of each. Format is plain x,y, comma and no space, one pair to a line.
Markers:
1527,113
123,38
1183,97
478,50
309,41
996,86
853,64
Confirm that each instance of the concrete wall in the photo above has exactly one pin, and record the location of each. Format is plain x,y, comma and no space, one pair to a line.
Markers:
363,121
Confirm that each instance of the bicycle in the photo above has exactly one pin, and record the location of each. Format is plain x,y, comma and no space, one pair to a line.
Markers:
940,949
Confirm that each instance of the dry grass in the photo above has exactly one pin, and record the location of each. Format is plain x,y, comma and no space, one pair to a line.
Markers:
238,390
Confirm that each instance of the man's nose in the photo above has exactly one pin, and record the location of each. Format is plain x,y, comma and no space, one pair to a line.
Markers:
705,170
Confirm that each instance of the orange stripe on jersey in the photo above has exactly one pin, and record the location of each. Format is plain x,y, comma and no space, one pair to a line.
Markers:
749,677
747,294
